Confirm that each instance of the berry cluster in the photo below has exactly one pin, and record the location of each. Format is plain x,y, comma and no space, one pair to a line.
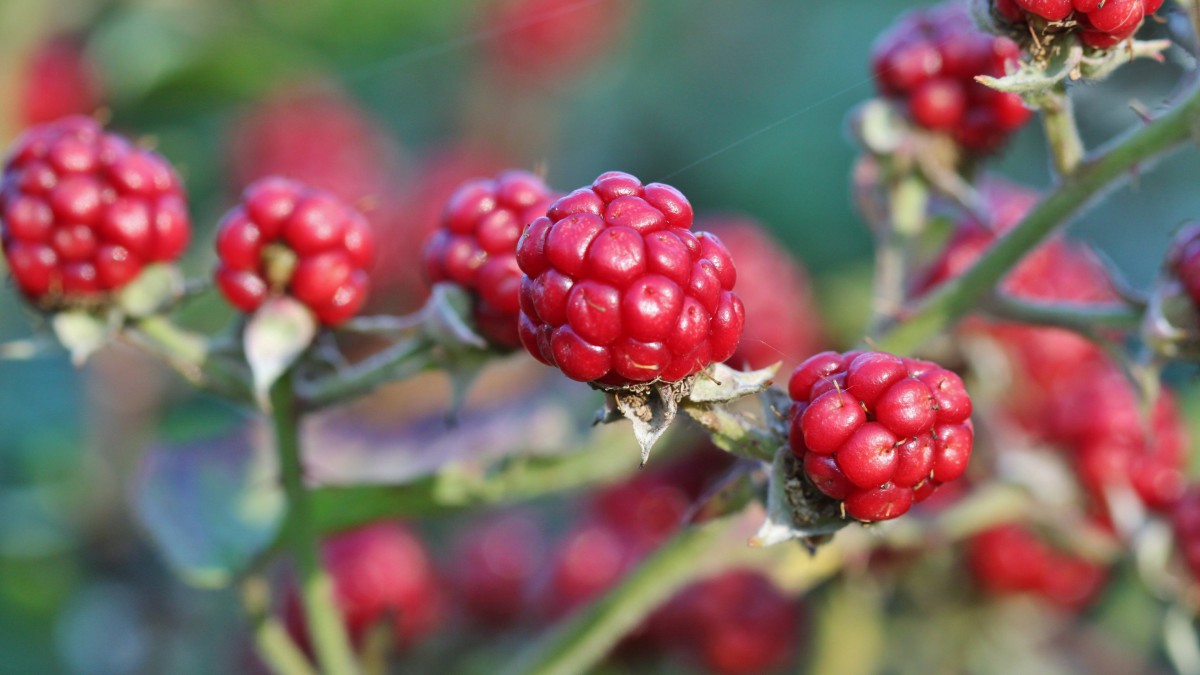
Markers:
381,573
84,211
928,61
877,431
618,290
475,247
1066,391
1099,23
782,320
1010,559
286,237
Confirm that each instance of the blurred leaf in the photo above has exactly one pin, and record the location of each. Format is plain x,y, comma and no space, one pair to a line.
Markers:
211,506
850,631
275,336
82,333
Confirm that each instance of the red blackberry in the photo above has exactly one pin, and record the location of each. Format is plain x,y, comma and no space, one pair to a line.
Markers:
496,562
618,290
381,573
1011,559
59,79
476,247
928,61
536,40
1099,23
84,211
285,237
878,432
781,313
316,135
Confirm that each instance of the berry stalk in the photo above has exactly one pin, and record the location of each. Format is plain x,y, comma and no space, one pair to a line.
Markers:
908,199
602,459
1080,318
1062,134
271,639
1094,176
190,355
332,645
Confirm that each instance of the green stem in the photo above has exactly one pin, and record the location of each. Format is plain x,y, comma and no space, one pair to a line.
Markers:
401,360
274,645
334,653
1081,317
606,457
908,199
584,638
190,355
1094,175
1062,134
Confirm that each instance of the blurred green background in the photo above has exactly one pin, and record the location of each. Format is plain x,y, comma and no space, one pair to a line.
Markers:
740,104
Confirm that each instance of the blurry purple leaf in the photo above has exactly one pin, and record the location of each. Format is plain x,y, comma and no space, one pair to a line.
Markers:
211,506
340,449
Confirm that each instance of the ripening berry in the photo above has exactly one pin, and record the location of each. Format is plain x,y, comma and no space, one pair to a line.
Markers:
382,575
1012,559
84,211
618,290
287,238
878,432
476,247
928,62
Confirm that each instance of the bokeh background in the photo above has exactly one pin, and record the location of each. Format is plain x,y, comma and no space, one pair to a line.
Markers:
741,105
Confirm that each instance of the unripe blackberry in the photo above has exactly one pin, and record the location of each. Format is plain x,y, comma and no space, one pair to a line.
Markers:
85,211
495,564
287,238
476,247
317,135
928,61
541,39
381,573
878,432
59,79
1011,559
782,320
1100,24
618,290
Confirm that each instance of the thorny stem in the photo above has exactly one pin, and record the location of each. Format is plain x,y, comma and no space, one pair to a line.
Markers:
334,653
1091,178
274,645
1081,317
1062,134
401,360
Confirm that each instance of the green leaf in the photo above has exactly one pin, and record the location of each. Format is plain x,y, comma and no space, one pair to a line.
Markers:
211,506
721,384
